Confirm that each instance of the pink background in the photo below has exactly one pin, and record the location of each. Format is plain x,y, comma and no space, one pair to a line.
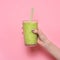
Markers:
12,13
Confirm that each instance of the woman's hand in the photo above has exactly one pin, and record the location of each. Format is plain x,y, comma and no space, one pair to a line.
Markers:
42,38
51,48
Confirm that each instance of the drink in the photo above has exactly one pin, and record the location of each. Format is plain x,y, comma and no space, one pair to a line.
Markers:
30,38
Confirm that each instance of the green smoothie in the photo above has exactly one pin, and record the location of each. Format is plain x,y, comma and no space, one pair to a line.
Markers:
30,38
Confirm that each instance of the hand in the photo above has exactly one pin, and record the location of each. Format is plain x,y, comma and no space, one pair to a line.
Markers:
42,38
51,48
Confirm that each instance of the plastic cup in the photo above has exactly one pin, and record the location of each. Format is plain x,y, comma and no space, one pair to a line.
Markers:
30,39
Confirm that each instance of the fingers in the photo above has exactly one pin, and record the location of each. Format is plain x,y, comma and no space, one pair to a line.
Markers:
40,42
22,30
42,37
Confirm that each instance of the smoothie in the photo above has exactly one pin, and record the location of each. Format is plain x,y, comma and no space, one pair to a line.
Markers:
30,38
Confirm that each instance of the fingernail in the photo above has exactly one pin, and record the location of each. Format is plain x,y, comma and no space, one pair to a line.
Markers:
32,30
22,27
22,32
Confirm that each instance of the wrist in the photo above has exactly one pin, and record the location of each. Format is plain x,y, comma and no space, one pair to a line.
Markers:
46,43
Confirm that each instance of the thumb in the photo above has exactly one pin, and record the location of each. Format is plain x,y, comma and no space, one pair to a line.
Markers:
35,31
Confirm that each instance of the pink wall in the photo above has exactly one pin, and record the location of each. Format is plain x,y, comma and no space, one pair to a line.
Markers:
12,13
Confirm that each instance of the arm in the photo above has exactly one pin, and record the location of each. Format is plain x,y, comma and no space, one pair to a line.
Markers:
50,47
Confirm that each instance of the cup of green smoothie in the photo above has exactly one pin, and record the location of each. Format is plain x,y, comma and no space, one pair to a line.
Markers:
30,39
